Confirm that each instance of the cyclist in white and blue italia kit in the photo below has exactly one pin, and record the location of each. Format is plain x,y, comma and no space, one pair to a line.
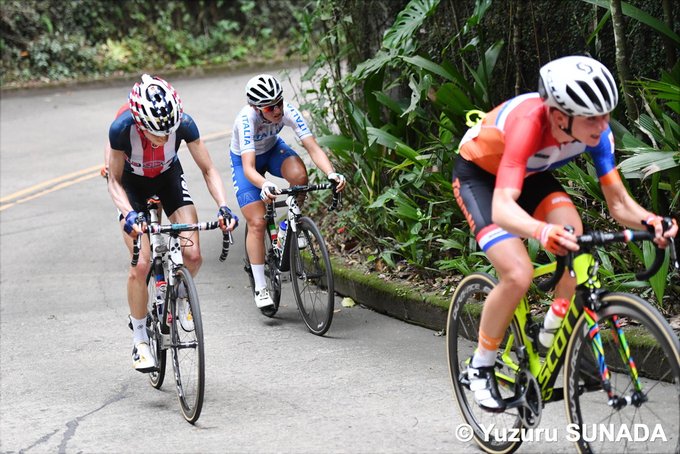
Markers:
142,161
256,148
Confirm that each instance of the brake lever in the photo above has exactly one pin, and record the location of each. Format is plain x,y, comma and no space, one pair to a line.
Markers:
569,258
137,242
336,204
673,254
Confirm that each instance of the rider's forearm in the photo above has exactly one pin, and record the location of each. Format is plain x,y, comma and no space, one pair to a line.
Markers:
215,186
119,196
508,215
253,176
322,162
623,208
318,155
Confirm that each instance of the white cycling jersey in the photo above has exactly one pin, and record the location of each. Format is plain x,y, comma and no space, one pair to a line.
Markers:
253,133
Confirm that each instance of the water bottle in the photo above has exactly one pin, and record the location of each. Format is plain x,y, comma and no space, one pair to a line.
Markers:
553,320
272,232
282,233
161,285
161,288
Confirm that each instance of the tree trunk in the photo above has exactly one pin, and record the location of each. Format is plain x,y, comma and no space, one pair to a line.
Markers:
622,60
516,44
669,44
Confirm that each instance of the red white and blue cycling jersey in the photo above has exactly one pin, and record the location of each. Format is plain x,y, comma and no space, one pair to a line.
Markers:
141,156
253,133
514,141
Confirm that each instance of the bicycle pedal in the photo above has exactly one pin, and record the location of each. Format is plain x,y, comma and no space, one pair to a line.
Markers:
464,380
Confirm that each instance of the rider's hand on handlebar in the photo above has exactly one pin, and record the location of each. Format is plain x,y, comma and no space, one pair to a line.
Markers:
339,179
135,224
228,220
269,191
555,238
663,228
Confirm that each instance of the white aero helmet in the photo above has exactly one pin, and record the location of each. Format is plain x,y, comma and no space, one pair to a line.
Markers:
263,90
578,85
155,106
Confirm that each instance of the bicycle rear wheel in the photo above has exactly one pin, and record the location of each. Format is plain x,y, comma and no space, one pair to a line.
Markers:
271,273
654,352
155,336
462,330
312,276
188,354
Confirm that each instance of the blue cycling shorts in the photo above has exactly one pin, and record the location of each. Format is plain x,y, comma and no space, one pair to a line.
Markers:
271,161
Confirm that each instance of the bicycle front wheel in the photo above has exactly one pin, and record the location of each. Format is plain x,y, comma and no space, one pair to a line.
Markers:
644,368
188,355
155,336
312,276
462,330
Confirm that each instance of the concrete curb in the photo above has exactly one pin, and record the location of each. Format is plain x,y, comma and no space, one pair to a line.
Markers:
404,303
396,300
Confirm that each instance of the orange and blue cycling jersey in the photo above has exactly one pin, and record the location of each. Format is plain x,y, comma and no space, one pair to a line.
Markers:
514,140
513,147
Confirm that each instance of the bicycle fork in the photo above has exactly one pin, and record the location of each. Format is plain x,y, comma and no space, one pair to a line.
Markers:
637,398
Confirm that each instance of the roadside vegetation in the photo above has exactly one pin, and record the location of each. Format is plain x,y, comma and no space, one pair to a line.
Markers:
392,106
389,86
47,41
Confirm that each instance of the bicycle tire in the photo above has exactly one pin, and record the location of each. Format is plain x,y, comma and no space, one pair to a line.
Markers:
462,330
188,349
155,336
312,275
271,273
651,342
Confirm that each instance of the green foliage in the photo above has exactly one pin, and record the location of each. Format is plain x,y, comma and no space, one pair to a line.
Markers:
397,117
53,40
642,17
396,135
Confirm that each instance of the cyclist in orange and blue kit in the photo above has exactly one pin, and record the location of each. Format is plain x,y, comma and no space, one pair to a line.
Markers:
503,185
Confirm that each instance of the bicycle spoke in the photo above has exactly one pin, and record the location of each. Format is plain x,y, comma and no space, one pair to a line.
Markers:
156,377
653,348
312,278
187,348
461,339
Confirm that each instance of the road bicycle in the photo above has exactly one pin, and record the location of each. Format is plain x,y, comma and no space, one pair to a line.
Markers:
620,361
301,257
172,290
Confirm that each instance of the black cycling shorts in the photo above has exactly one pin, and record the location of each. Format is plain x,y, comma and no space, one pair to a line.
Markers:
473,188
169,186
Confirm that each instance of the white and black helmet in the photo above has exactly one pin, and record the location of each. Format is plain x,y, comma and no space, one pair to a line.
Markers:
155,106
263,90
578,85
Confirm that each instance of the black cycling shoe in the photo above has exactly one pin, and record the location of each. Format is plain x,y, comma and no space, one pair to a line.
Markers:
485,388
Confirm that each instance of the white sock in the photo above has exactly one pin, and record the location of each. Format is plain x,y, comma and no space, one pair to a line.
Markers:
484,357
258,275
139,333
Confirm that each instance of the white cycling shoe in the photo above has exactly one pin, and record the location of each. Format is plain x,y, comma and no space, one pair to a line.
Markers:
262,298
485,388
142,359
186,318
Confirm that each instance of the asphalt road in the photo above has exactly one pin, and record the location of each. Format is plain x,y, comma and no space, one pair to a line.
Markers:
372,384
